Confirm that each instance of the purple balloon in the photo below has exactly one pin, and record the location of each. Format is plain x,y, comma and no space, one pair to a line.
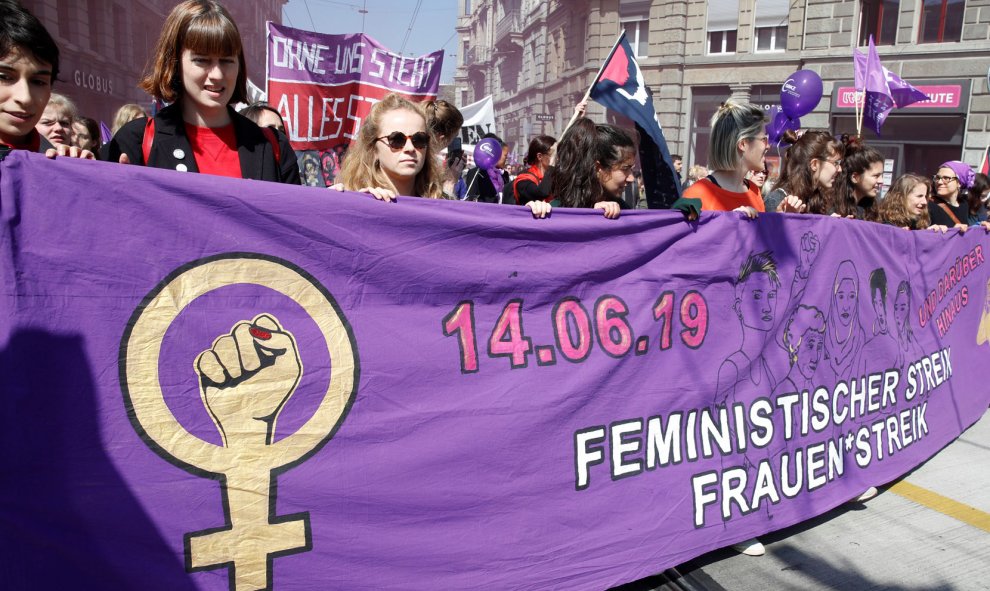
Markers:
780,124
801,93
487,153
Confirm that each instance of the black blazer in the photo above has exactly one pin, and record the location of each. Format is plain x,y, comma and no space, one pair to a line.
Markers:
171,150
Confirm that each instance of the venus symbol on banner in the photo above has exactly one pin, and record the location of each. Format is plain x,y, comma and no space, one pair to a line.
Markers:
246,378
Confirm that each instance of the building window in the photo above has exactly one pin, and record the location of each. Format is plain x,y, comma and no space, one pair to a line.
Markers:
467,6
941,21
771,25
638,36
771,38
879,18
723,22
722,42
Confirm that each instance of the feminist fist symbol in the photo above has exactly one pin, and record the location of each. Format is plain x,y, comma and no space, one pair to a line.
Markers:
246,378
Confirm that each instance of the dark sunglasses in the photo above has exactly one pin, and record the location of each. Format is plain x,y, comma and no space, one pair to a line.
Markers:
397,140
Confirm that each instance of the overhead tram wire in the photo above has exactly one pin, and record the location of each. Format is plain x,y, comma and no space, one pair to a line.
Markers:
412,23
311,21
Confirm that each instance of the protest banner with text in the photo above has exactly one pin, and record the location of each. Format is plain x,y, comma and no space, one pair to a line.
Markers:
324,85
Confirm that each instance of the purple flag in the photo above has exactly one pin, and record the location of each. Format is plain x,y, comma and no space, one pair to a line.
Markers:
885,88
214,384
878,100
105,134
901,91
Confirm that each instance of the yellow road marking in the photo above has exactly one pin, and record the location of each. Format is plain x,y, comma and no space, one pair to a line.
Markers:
944,505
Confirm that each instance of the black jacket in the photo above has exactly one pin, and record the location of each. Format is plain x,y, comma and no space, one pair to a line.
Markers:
171,148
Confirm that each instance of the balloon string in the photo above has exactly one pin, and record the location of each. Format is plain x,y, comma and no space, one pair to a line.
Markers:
467,192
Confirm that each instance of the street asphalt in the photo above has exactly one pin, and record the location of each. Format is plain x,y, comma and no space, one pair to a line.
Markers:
928,531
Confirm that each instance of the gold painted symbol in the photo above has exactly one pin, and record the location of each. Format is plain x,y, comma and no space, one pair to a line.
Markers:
246,378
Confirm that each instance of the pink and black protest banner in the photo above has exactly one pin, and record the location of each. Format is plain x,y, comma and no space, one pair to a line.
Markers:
324,85
214,383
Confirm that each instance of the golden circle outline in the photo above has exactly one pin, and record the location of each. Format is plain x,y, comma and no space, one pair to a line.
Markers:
150,323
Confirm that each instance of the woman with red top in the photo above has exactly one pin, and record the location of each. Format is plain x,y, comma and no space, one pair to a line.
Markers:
529,185
738,146
199,67
28,68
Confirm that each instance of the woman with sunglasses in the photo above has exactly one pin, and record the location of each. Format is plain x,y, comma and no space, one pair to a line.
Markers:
950,205
198,66
808,171
393,155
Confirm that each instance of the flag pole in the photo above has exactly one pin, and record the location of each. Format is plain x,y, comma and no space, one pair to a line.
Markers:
594,80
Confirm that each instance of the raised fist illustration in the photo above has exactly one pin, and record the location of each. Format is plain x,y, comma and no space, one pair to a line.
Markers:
809,251
246,378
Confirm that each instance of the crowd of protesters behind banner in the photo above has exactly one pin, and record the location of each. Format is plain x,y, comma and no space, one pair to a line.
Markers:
197,69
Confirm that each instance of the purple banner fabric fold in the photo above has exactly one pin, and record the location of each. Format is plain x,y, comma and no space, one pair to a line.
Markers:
218,384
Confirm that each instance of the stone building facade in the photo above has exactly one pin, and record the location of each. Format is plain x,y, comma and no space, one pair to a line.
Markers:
104,45
539,57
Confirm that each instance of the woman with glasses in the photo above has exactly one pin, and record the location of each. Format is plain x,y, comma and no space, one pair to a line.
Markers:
198,66
738,146
808,171
858,184
950,206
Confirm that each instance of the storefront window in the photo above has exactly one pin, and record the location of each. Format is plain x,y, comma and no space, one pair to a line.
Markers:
941,21
704,104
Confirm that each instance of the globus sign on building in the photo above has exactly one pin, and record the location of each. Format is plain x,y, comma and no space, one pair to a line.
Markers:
324,85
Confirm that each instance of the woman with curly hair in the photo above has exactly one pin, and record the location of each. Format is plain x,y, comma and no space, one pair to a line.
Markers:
808,171
594,164
906,204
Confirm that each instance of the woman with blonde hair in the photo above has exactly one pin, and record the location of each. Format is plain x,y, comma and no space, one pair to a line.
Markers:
125,114
738,145
393,154
906,204
198,66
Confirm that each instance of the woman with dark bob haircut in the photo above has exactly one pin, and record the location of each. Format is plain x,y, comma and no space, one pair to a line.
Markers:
198,66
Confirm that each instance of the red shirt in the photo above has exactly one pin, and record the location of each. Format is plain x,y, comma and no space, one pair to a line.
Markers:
32,144
215,150
715,198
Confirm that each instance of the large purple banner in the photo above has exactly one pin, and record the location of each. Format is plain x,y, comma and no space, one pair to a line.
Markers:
221,384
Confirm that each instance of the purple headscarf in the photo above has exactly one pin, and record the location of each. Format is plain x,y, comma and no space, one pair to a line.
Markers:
962,170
